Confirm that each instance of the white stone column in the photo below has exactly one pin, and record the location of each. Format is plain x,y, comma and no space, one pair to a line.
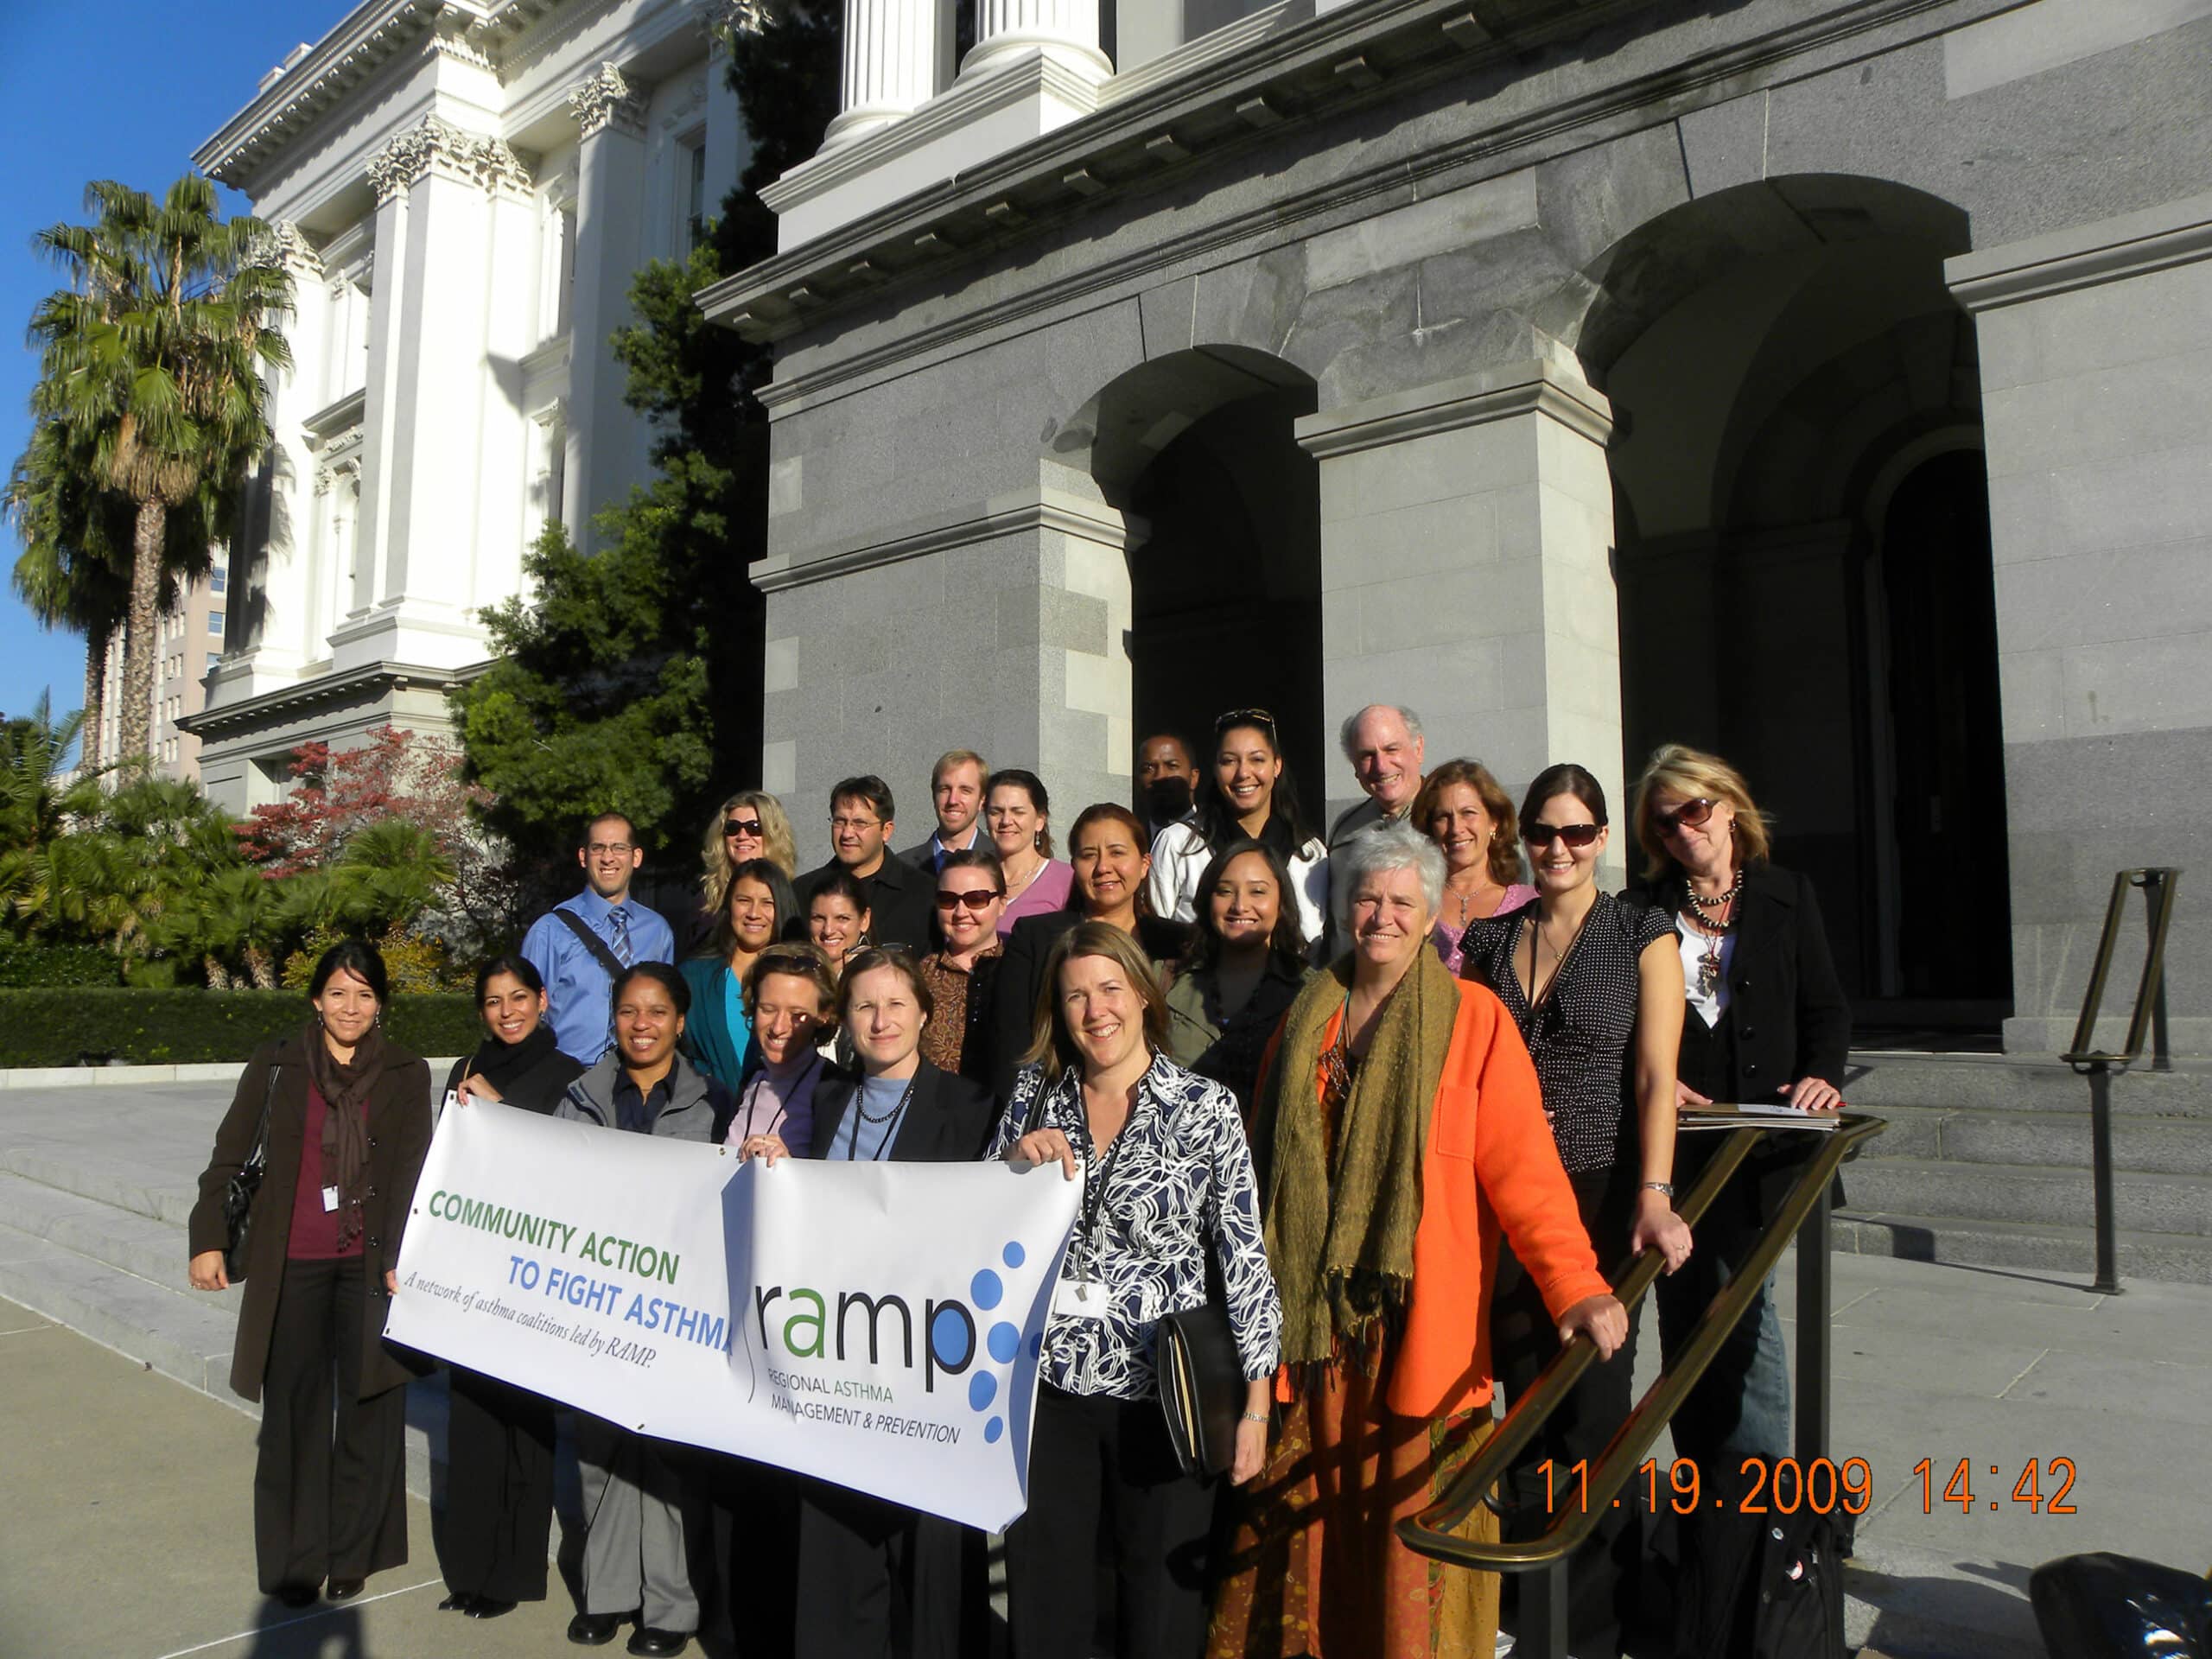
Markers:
271,627
1466,535
1064,31
890,65
608,440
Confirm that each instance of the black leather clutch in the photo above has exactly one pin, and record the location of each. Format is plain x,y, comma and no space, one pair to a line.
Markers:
1202,1387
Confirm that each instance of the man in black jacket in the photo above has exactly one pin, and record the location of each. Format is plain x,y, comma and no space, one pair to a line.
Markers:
901,899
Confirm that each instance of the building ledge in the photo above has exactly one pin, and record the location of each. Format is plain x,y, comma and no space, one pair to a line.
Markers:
334,417
1196,104
271,706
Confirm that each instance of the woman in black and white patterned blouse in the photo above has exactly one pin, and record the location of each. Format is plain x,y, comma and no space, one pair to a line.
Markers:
1596,987
1167,1179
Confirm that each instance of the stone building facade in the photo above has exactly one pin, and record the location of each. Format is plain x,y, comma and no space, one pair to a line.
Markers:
1826,382
463,192
188,645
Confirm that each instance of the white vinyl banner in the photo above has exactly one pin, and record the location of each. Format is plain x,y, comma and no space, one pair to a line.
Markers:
875,1324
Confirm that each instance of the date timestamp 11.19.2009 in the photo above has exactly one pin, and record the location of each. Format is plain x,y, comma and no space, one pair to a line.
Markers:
1784,1485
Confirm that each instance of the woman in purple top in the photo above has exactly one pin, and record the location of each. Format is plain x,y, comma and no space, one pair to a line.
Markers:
1019,813
790,994
1466,813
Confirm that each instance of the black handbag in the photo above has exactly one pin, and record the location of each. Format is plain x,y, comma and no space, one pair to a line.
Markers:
245,1183
1202,1387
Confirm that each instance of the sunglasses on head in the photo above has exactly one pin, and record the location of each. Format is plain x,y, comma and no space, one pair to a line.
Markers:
974,898
1689,814
742,827
1575,834
1236,717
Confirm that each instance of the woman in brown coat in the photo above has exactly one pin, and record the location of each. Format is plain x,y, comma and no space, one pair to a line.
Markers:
349,1123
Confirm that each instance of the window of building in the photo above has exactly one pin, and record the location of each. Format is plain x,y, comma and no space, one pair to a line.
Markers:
213,657
215,624
219,580
695,192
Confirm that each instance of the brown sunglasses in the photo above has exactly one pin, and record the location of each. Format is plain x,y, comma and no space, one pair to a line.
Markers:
1689,814
1575,834
974,898
742,827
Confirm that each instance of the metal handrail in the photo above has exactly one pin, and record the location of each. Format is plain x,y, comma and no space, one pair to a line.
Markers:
2160,884
1431,1532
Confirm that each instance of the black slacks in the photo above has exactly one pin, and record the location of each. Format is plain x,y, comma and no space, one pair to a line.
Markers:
499,1488
878,1580
1603,1574
1099,1461
749,1557
325,1505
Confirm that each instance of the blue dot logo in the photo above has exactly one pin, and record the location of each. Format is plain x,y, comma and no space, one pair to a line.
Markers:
982,1388
951,1338
993,1430
1005,1341
1013,1255
985,1289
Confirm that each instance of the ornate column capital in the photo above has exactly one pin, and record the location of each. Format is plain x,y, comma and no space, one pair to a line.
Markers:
725,19
607,98
431,144
292,249
499,167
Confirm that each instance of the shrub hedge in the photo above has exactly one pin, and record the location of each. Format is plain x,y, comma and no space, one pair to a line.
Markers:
23,964
89,1027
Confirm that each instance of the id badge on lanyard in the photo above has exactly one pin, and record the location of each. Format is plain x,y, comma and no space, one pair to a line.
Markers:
1081,1293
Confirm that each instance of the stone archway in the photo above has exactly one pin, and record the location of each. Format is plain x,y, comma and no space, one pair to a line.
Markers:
1796,468
1197,449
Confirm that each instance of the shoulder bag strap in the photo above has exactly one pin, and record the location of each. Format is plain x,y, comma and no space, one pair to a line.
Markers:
600,953
259,1155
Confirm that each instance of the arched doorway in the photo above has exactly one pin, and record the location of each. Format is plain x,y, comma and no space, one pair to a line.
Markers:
1225,548
1803,555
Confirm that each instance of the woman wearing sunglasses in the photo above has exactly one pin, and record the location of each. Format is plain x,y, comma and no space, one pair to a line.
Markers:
1245,795
971,893
750,824
1595,985
1766,1020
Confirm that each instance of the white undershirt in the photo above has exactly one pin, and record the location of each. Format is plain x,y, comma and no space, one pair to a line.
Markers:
1695,946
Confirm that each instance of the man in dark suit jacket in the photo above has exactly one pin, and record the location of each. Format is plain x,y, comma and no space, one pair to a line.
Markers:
902,900
956,787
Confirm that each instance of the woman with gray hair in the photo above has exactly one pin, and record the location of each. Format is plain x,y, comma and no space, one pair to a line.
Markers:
1399,1129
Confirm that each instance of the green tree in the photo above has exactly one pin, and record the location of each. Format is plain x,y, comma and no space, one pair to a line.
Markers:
151,365
70,575
631,681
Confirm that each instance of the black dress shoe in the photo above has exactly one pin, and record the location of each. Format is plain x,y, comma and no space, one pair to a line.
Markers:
460,1602
650,1644
345,1589
594,1630
487,1607
299,1595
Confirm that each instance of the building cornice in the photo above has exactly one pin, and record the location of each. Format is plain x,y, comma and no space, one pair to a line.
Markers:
338,415
1217,107
272,708
2083,255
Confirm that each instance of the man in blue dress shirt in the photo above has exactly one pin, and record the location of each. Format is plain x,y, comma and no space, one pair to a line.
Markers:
577,970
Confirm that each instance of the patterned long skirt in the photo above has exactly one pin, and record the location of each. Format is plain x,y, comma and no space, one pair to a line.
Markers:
1314,1566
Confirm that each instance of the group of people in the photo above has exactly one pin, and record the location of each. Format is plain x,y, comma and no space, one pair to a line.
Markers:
1396,1100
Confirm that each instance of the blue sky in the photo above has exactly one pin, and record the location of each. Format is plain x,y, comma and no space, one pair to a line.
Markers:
126,90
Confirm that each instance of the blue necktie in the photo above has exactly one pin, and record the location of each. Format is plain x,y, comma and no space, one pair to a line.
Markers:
618,919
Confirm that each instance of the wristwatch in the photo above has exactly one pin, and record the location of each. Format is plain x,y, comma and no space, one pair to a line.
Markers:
1665,1189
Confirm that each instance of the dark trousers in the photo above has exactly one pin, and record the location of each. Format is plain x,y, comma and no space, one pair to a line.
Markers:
877,1581
1096,1461
1523,1339
499,1489
749,1556
325,1505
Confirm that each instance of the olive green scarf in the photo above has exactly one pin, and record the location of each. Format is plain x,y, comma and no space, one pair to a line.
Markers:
1340,1231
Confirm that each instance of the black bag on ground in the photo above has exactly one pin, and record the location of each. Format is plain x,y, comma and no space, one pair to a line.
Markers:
2106,1606
1760,1587
239,1192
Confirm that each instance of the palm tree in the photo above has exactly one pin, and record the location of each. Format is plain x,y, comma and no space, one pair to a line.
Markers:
151,367
72,572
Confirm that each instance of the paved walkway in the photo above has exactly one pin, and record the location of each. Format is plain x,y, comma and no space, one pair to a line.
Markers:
124,1496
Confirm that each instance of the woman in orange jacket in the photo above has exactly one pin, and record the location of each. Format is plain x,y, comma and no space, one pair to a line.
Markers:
1399,1129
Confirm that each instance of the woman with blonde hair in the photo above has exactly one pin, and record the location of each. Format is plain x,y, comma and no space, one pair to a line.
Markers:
1167,1195
750,824
1467,813
1765,1020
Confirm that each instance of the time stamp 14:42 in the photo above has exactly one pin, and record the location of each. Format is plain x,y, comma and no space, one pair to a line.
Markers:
1784,1485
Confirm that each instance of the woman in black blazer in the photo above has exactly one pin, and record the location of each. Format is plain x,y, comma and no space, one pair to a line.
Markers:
877,1578
349,1122
500,1438
1767,1022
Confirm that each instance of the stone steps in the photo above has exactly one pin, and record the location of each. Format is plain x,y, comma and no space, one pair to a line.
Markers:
1986,1163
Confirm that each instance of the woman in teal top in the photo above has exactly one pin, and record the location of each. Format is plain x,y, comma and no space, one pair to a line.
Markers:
756,906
